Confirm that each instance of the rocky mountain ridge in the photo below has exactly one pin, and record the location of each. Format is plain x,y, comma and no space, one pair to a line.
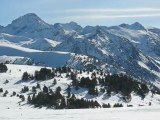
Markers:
131,49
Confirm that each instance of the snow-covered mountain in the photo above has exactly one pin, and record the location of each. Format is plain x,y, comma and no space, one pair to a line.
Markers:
132,49
119,48
1,27
29,25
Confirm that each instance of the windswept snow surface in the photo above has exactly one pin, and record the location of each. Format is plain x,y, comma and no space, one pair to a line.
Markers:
16,112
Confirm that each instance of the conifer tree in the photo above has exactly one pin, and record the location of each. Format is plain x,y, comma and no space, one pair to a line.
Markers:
25,76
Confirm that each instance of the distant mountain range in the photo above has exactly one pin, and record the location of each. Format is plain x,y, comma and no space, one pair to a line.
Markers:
131,49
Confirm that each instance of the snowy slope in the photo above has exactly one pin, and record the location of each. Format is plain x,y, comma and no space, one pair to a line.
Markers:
144,40
48,58
17,54
38,43
16,109
15,72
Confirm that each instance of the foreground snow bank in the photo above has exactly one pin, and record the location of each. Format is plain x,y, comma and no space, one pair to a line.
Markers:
28,113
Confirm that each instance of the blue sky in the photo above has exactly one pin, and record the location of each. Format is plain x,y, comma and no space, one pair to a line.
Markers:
84,12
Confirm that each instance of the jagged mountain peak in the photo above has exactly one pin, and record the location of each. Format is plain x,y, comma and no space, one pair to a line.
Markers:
124,25
137,26
30,15
1,26
71,26
93,30
90,29
28,19
134,26
72,23
29,25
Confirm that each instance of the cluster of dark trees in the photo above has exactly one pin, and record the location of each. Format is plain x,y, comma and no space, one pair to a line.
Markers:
1,90
27,76
85,83
74,103
47,98
3,68
117,105
155,90
13,94
25,89
124,85
56,100
45,73
90,84
106,105
63,69
117,83
114,83
5,93
111,83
